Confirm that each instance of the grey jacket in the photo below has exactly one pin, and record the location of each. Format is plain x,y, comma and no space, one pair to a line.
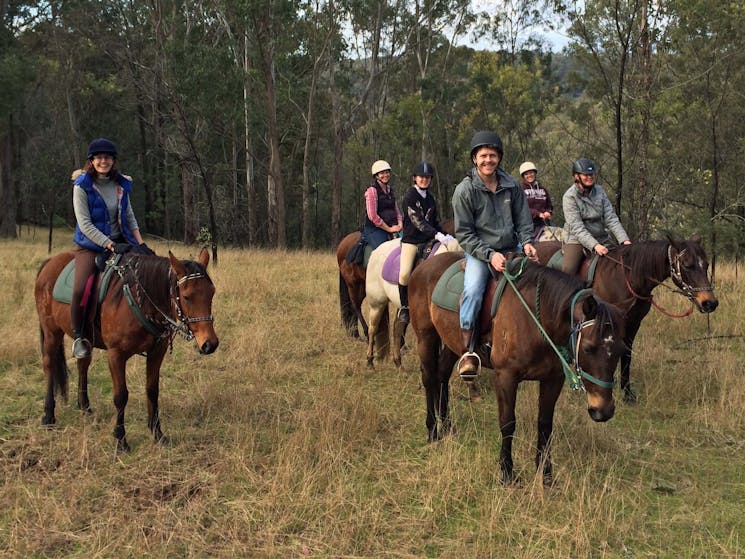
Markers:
589,218
487,222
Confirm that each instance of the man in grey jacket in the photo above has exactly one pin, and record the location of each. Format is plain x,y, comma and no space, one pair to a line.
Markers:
492,218
589,218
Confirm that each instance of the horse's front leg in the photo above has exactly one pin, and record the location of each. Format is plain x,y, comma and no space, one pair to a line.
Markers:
84,403
399,331
117,368
632,327
427,348
548,394
506,389
154,361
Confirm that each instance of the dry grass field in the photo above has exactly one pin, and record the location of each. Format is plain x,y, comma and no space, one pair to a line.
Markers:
285,445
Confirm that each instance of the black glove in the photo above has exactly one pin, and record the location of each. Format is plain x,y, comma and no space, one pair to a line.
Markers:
121,248
142,248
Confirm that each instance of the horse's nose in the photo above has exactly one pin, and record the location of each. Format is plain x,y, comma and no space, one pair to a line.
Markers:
601,415
208,347
709,305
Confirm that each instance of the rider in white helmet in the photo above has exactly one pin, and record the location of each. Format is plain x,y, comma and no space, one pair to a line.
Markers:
383,218
539,200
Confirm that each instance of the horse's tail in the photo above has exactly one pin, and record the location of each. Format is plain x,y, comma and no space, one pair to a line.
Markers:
60,372
348,316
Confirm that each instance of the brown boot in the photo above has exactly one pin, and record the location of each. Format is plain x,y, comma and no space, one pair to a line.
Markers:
469,363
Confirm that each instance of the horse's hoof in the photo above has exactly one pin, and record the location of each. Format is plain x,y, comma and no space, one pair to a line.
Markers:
122,446
370,364
512,482
163,441
48,421
630,397
548,480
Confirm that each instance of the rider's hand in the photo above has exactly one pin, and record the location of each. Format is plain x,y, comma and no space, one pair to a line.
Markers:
497,261
530,252
600,249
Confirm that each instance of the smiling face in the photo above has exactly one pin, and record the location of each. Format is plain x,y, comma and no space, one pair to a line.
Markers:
102,163
486,160
422,182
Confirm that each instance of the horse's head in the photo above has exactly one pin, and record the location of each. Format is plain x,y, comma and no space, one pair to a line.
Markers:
689,271
192,303
598,346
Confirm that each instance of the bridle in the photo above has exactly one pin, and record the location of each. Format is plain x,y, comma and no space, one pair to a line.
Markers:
171,327
675,274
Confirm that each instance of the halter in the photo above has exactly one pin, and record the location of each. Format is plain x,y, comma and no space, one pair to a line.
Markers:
687,289
571,373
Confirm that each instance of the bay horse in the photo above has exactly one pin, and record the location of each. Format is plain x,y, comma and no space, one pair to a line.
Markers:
352,283
381,294
517,350
628,274
351,287
149,300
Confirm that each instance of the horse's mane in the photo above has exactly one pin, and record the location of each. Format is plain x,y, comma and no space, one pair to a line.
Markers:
152,273
643,260
557,291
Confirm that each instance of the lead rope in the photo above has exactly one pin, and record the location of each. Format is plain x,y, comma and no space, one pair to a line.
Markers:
572,376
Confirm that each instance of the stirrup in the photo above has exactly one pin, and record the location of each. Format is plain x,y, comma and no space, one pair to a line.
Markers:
81,348
403,315
469,374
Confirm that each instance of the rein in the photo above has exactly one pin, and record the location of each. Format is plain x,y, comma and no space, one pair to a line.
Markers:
675,273
172,327
572,374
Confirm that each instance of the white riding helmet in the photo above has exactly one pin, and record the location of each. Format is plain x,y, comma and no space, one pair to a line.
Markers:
379,166
527,166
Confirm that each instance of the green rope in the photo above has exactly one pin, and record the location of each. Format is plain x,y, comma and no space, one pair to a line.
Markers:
574,381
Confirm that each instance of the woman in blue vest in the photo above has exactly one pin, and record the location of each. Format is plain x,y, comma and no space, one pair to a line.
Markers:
104,221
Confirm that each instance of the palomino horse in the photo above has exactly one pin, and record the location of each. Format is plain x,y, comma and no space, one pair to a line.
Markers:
352,283
627,275
149,300
379,294
517,350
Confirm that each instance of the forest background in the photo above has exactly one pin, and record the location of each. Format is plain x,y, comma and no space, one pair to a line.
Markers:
254,123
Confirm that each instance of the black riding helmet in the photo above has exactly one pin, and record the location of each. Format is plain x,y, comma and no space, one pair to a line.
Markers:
101,145
423,169
486,138
584,166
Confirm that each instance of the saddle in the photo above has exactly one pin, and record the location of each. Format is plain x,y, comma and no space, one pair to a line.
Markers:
449,288
392,264
62,291
586,268
359,254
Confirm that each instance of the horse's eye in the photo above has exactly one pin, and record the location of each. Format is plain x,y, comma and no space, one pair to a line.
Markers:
589,349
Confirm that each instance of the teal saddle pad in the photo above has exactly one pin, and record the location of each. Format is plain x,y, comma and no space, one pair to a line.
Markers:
62,291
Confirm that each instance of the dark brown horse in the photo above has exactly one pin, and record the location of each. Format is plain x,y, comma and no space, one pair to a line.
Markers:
352,283
627,275
149,300
517,350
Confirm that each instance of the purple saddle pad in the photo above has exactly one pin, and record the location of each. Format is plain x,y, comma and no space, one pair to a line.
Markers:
392,264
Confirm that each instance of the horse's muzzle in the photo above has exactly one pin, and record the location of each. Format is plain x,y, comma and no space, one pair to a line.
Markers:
208,347
710,305
602,414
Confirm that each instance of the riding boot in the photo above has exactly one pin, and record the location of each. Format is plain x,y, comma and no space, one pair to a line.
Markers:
81,347
403,312
469,363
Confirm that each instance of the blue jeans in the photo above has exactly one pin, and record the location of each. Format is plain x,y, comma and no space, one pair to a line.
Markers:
375,236
475,279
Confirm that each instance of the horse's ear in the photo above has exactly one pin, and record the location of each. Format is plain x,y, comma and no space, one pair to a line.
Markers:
204,257
176,264
696,238
590,307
